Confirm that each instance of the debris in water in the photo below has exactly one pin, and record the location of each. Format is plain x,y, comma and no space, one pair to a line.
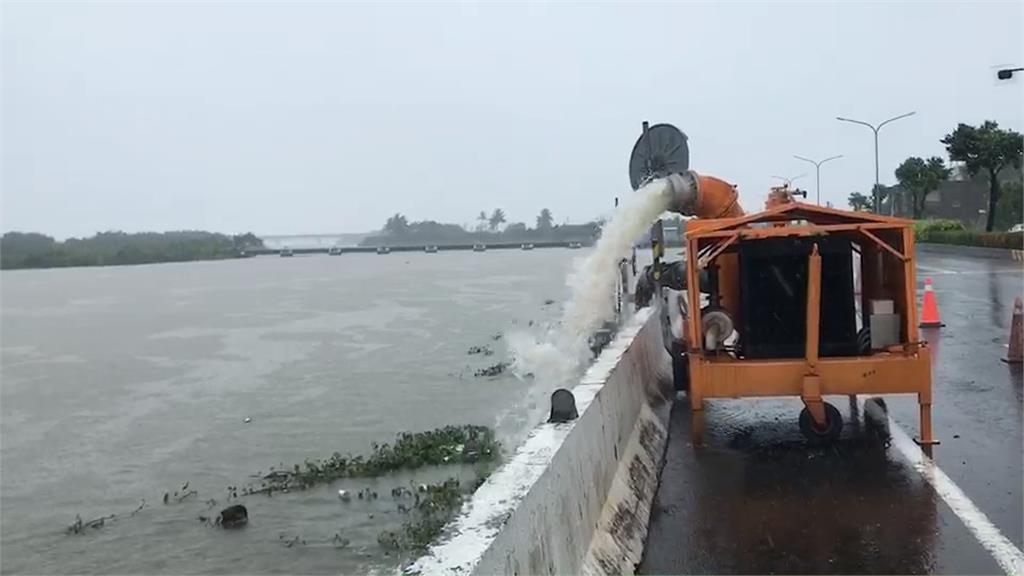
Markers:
482,350
497,336
429,515
247,420
78,526
233,517
549,302
344,496
493,370
139,509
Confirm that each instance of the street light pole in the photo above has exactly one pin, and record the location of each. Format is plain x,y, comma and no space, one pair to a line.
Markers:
788,180
875,129
817,172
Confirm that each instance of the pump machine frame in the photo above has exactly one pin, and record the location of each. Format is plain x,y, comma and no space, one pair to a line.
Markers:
886,271
778,267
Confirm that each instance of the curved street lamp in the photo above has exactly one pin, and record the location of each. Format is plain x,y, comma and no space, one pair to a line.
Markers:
817,172
789,180
875,129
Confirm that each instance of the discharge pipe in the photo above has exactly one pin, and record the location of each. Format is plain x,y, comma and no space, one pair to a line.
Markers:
692,194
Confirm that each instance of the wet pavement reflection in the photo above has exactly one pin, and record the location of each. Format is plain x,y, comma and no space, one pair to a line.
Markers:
757,499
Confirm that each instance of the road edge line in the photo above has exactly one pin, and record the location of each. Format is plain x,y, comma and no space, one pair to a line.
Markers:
1006,554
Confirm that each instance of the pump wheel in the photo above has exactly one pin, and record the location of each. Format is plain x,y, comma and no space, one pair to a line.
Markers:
822,435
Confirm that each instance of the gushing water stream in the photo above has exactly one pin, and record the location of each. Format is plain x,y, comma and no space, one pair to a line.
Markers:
557,356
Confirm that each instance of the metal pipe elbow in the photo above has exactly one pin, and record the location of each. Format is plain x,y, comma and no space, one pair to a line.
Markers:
691,194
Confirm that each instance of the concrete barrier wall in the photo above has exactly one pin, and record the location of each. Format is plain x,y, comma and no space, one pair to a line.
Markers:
576,497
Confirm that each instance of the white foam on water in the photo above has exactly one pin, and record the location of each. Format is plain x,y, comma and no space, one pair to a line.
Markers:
557,356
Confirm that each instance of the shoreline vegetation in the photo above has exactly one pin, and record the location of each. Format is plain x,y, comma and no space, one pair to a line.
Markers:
399,231
32,250
21,250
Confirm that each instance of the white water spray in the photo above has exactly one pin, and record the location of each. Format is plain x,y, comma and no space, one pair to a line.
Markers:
558,356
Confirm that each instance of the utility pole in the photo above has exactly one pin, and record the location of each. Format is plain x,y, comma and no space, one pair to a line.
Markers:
817,173
875,193
789,179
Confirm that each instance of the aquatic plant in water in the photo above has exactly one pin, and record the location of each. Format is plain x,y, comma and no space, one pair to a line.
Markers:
467,444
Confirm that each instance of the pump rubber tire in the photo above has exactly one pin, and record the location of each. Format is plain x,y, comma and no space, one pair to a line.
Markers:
828,434
680,368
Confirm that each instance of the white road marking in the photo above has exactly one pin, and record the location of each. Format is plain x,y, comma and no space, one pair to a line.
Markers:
1006,554
933,270
927,271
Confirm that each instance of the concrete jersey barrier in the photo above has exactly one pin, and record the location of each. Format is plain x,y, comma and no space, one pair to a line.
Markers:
576,497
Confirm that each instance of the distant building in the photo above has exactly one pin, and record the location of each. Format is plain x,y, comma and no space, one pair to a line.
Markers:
960,198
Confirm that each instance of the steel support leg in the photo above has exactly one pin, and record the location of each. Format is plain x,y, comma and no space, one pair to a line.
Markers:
926,438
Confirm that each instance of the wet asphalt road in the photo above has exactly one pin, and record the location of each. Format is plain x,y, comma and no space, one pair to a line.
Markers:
756,499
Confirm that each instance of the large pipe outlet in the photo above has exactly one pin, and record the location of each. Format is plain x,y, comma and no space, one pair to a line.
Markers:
691,194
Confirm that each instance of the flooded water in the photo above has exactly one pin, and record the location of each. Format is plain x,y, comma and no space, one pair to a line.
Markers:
120,384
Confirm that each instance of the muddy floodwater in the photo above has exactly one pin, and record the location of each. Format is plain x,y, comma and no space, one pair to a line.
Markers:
121,384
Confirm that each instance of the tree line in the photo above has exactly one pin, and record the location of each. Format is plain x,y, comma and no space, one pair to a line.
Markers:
489,228
32,250
986,149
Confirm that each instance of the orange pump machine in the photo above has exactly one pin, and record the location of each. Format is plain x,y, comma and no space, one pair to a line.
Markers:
796,300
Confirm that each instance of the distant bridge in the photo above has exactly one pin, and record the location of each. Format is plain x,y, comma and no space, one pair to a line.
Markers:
306,241
412,248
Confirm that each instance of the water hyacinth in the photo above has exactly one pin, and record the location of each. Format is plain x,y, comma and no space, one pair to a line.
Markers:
467,444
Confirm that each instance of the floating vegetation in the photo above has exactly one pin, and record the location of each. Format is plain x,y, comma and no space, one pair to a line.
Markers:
78,526
466,444
492,370
436,504
180,495
481,350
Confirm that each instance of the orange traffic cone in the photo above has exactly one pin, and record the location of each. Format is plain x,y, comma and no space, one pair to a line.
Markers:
1015,355
930,308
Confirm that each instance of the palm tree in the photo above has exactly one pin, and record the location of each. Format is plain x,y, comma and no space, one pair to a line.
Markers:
497,219
544,220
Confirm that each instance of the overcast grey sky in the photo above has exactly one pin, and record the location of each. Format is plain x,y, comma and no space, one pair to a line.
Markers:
328,117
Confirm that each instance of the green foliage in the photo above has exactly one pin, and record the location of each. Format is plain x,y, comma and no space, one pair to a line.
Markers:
467,444
937,225
544,220
1007,240
436,504
858,201
398,231
30,250
987,148
1010,209
516,228
397,225
919,178
497,219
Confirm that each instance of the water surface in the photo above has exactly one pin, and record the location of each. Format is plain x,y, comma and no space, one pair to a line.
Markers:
120,384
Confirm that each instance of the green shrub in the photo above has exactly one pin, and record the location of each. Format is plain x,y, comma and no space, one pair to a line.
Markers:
1014,240
937,225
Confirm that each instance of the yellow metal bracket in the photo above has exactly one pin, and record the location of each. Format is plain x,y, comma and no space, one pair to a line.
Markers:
884,245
